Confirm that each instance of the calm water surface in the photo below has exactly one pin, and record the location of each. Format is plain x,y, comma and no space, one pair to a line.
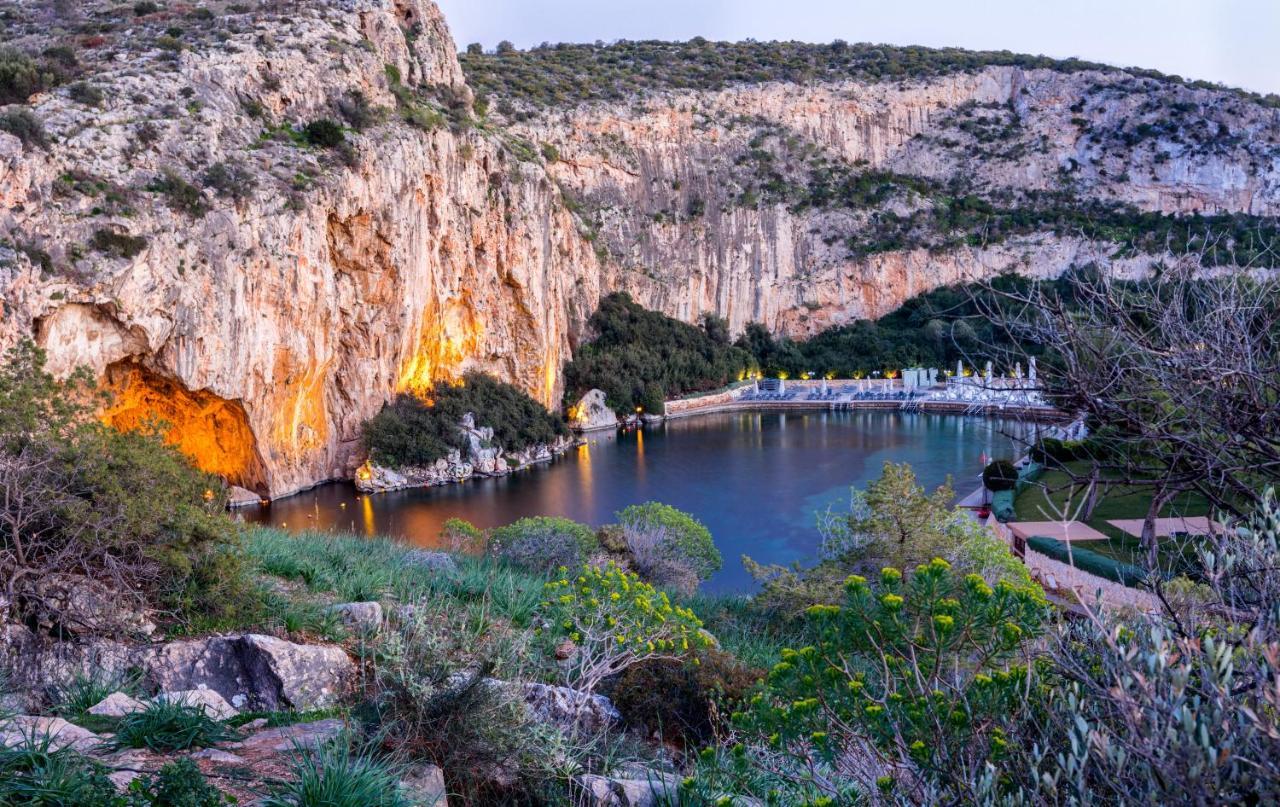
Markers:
757,480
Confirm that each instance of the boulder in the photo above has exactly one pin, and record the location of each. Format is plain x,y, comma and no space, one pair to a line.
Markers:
372,478
22,729
424,784
241,497
304,677
72,605
117,704
255,671
650,791
360,617
565,708
435,561
592,413
206,700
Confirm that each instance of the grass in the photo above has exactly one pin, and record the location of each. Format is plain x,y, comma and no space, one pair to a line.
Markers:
359,569
33,773
1054,490
73,698
338,776
170,727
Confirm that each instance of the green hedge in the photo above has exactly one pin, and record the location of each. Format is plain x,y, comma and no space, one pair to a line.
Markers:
1002,505
1027,475
1126,574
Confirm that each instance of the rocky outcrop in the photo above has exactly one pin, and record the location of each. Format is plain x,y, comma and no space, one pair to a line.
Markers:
68,605
592,413
569,710
265,296
484,458
251,671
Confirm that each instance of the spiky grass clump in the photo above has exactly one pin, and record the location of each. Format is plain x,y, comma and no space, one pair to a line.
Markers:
338,776
170,727
33,772
73,698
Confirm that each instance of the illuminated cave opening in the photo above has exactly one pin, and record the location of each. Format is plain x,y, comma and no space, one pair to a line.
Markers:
212,431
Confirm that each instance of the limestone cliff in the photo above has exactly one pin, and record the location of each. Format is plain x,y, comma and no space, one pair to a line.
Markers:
267,329
169,219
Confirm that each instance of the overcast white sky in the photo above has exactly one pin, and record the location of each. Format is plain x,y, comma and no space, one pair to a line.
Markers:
1236,42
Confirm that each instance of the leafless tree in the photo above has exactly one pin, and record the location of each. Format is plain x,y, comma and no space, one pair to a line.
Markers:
1179,371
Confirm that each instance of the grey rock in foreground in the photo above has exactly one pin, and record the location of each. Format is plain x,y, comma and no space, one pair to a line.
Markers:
255,671
361,617
117,704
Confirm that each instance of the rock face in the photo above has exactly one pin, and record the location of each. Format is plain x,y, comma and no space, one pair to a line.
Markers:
269,328
591,413
265,296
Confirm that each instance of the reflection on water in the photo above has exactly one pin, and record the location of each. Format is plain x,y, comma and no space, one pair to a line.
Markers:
755,479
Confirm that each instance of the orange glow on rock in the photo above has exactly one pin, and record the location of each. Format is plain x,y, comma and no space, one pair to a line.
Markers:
213,432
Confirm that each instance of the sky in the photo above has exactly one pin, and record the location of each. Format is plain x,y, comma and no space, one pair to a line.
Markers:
1234,42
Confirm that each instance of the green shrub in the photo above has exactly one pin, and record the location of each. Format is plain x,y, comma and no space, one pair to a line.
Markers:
145,7
410,432
21,76
25,126
431,699
337,776
1087,560
170,726
83,92
324,133
544,543
460,535
232,181
660,537
177,784
118,244
616,620
684,702
182,195
640,358
1000,475
918,672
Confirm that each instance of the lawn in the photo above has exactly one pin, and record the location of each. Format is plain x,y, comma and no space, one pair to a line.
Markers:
1047,500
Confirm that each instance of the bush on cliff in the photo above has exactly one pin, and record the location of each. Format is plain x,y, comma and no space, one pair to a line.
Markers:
638,357
416,430
124,508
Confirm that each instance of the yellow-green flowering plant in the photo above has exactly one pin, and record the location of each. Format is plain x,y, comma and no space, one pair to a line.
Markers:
905,687
615,620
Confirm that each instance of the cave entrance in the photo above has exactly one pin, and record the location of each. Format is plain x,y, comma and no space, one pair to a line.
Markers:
213,432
